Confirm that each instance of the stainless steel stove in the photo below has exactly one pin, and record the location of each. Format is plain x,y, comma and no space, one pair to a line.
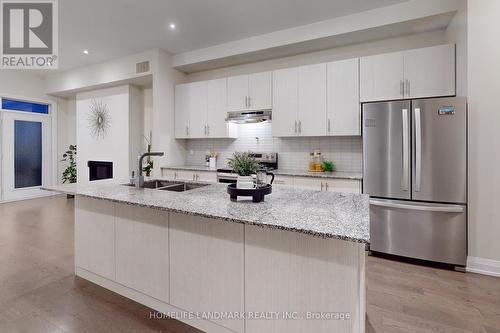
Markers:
268,161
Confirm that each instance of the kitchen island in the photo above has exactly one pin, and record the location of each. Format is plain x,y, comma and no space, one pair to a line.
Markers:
293,263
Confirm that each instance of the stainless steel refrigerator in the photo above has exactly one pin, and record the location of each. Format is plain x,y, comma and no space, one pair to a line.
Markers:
415,171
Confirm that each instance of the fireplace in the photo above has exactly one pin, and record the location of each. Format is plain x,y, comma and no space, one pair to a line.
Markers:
100,170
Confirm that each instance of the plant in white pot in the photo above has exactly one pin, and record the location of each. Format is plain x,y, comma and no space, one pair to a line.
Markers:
245,166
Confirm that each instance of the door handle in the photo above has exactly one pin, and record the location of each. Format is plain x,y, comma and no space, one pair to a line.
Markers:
326,187
401,88
208,130
425,208
321,186
407,87
329,127
295,126
205,129
418,150
406,150
300,126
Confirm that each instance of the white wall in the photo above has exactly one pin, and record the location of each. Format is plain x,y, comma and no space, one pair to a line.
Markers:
66,131
340,53
122,140
484,114
164,80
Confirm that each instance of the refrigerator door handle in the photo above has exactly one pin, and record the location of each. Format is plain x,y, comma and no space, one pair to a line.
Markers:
420,207
406,151
418,150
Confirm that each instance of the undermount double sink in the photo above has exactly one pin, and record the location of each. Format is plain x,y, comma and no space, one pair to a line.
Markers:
167,185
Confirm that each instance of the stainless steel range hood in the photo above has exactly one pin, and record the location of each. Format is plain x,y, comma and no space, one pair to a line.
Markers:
246,117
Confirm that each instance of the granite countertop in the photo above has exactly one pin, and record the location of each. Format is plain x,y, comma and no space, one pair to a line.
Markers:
283,172
323,214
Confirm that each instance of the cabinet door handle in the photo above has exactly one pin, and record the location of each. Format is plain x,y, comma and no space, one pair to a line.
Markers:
321,186
295,126
205,129
175,175
326,187
408,88
187,130
329,127
208,130
402,88
300,126
249,101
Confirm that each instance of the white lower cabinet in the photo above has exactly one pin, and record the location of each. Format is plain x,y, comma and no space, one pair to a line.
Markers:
95,236
206,266
142,250
186,175
328,184
283,180
298,275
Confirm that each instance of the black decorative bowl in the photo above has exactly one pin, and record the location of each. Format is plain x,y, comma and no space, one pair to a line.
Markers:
257,194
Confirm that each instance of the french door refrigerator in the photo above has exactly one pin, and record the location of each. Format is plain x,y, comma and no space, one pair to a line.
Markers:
415,171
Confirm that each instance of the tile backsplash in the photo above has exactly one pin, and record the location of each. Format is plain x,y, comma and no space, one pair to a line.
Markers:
293,153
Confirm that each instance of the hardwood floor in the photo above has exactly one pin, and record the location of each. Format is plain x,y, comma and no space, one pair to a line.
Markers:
39,293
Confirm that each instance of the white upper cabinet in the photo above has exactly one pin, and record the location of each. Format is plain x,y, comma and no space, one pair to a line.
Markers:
249,92
197,109
260,91
312,100
343,109
426,72
237,93
182,100
285,102
217,109
430,72
299,101
200,110
382,77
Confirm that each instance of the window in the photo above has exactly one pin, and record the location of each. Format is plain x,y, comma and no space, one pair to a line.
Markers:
13,105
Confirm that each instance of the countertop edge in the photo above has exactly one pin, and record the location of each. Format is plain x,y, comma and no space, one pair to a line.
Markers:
293,173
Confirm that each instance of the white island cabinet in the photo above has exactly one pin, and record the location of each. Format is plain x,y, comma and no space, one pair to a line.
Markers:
223,266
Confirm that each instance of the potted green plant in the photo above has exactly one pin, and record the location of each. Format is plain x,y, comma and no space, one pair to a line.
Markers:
245,166
69,174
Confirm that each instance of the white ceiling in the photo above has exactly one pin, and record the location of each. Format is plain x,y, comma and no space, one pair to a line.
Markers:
114,28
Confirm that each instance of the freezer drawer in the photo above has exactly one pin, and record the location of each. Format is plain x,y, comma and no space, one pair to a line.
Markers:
433,232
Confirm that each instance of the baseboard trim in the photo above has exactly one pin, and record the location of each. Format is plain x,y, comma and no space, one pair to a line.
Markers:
483,266
151,302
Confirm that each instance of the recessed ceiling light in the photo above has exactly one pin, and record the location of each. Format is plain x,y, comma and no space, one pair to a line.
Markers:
172,26
85,51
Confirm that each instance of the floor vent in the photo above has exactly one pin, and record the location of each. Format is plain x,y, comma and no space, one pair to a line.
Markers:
142,67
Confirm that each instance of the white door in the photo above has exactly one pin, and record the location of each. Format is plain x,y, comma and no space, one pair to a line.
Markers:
382,77
260,91
182,111
237,93
343,116
197,109
26,154
430,72
216,108
312,100
285,102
